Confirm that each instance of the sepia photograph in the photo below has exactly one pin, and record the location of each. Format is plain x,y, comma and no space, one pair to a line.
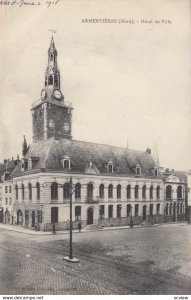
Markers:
95,152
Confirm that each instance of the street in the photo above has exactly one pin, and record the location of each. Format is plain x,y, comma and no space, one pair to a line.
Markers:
149,260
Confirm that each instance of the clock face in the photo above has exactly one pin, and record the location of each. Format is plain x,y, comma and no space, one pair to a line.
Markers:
66,127
43,94
57,94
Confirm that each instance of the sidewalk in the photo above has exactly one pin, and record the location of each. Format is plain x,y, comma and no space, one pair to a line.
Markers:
31,231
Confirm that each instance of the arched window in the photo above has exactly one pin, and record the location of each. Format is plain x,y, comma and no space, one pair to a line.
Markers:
23,191
101,211
158,209
16,192
66,163
136,192
77,213
178,209
170,209
50,80
110,211
158,192
78,191
66,191
90,190
54,191
30,191
51,56
151,192
110,191
144,192
129,192
119,191
151,209
168,192
179,192
128,210
38,191
136,210
119,211
166,209
101,191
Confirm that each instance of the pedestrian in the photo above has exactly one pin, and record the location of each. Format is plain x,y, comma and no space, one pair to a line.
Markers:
79,226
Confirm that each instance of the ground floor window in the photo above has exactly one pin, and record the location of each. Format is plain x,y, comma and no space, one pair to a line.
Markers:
136,210
151,209
158,208
110,211
128,210
101,211
119,211
26,216
77,213
54,214
39,216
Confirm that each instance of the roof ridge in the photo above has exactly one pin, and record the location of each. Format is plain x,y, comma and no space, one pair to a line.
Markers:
109,145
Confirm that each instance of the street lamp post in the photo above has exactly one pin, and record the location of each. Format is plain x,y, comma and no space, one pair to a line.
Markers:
70,258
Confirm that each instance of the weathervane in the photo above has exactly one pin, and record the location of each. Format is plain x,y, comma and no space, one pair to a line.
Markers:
53,31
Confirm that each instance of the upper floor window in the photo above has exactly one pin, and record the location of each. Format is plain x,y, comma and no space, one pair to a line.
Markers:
156,172
151,192
101,191
144,192
136,192
23,191
38,191
66,190
90,190
10,189
6,189
78,191
119,191
179,192
168,192
30,191
110,191
158,192
54,190
129,192
16,192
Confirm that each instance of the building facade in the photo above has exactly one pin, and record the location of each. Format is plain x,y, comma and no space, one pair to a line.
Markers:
111,186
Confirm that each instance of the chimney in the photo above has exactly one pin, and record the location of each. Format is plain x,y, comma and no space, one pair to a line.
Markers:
148,150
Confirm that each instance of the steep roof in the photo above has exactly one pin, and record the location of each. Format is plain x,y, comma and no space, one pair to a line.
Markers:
51,152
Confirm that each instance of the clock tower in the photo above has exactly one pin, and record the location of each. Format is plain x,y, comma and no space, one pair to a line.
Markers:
51,114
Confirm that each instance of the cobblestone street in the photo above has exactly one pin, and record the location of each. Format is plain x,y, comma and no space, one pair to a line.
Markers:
130,261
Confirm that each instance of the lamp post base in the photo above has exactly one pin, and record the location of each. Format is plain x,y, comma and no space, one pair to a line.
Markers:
73,260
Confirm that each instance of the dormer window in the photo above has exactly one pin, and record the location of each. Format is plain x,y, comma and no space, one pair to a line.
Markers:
66,162
22,165
110,166
155,172
138,170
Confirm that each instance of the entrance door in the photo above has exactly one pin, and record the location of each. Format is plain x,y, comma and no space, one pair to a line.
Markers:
7,217
33,218
144,212
19,217
90,216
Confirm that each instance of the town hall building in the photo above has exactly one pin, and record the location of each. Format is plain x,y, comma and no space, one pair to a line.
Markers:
111,186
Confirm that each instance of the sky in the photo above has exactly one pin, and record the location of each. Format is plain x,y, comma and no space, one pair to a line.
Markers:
129,83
